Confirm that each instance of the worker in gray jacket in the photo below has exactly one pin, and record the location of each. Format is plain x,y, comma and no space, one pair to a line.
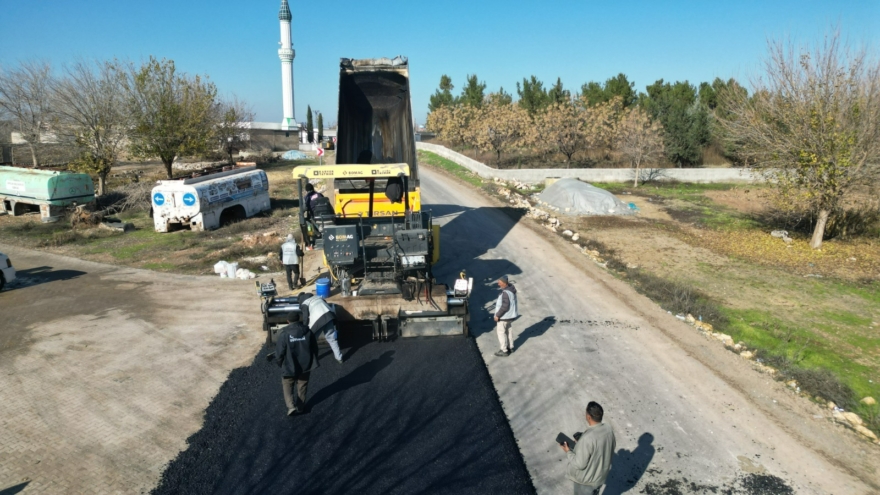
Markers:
289,254
320,318
505,313
590,460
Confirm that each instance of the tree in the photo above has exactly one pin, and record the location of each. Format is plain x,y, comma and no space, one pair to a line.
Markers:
454,124
618,86
501,97
473,93
320,128
561,129
443,96
233,120
638,139
310,126
502,128
569,129
557,94
532,95
685,122
25,95
172,113
90,114
812,126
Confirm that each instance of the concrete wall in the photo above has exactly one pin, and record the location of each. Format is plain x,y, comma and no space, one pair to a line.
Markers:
700,175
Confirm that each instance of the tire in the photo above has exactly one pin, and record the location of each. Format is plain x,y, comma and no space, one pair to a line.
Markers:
2,281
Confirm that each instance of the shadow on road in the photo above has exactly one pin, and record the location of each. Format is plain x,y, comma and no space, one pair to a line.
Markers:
628,467
360,375
12,490
42,275
535,330
468,239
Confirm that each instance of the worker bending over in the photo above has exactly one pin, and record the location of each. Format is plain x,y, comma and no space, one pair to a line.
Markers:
320,318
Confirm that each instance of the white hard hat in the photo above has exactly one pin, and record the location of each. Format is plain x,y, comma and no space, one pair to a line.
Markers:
289,237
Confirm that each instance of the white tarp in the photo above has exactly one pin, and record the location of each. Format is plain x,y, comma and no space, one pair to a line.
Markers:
574,197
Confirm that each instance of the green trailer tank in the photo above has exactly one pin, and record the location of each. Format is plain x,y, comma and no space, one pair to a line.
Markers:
23,190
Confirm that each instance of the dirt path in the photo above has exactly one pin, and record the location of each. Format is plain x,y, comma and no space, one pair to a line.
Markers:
684,409
105,371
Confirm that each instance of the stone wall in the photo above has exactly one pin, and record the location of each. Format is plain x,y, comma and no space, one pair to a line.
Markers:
699,175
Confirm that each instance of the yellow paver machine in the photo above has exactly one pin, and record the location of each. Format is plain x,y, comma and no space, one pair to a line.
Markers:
378,244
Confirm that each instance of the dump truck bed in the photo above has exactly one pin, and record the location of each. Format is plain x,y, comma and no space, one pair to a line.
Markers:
375,114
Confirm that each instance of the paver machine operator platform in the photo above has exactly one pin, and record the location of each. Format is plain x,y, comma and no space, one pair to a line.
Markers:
380,261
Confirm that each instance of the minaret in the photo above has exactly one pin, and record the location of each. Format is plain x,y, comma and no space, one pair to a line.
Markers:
286,54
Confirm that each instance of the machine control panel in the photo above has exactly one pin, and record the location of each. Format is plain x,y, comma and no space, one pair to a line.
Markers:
413,242
341,243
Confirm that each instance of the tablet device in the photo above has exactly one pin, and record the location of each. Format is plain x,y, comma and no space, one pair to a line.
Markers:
563,438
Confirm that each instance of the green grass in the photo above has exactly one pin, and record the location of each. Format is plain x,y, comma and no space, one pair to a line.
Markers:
434,160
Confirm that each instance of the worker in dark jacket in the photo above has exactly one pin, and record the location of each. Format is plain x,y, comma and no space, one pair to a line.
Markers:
505,313
297,354
311,228
320,318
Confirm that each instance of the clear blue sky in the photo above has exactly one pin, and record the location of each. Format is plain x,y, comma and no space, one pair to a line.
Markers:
236,42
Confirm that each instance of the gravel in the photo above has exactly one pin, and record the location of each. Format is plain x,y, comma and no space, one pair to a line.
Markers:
411,416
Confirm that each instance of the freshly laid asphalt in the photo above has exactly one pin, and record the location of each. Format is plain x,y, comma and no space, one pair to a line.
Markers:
409,416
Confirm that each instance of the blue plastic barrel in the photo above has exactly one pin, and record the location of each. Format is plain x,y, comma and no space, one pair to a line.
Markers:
322,288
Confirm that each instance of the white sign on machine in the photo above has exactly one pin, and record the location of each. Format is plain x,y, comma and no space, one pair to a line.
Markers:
15,185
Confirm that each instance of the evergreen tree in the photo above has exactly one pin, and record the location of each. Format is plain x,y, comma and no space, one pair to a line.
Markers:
532,95
443,96
685,122
501,97
473,93
310,127
557,94
617,86
320,128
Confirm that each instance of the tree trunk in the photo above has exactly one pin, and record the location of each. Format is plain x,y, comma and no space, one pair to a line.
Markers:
168,164
636,178
102,183
34,155
819,230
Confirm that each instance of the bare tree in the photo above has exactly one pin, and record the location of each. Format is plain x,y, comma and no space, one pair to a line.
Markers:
89,109
232,130
813,124
25,96
638,139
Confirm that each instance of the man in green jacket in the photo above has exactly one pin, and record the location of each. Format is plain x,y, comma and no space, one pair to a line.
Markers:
590,460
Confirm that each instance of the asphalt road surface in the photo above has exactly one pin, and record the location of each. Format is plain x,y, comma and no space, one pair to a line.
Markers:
411,416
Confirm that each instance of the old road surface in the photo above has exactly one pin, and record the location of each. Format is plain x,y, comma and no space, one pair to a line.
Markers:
585,336
105,371
106,375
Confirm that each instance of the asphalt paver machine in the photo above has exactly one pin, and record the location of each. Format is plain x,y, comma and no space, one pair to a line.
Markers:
379,260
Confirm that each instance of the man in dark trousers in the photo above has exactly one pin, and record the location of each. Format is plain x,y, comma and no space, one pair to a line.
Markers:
505,313
590,460
297,354
290,254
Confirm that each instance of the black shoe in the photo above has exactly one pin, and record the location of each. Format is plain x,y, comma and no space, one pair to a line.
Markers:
292,412
502,354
